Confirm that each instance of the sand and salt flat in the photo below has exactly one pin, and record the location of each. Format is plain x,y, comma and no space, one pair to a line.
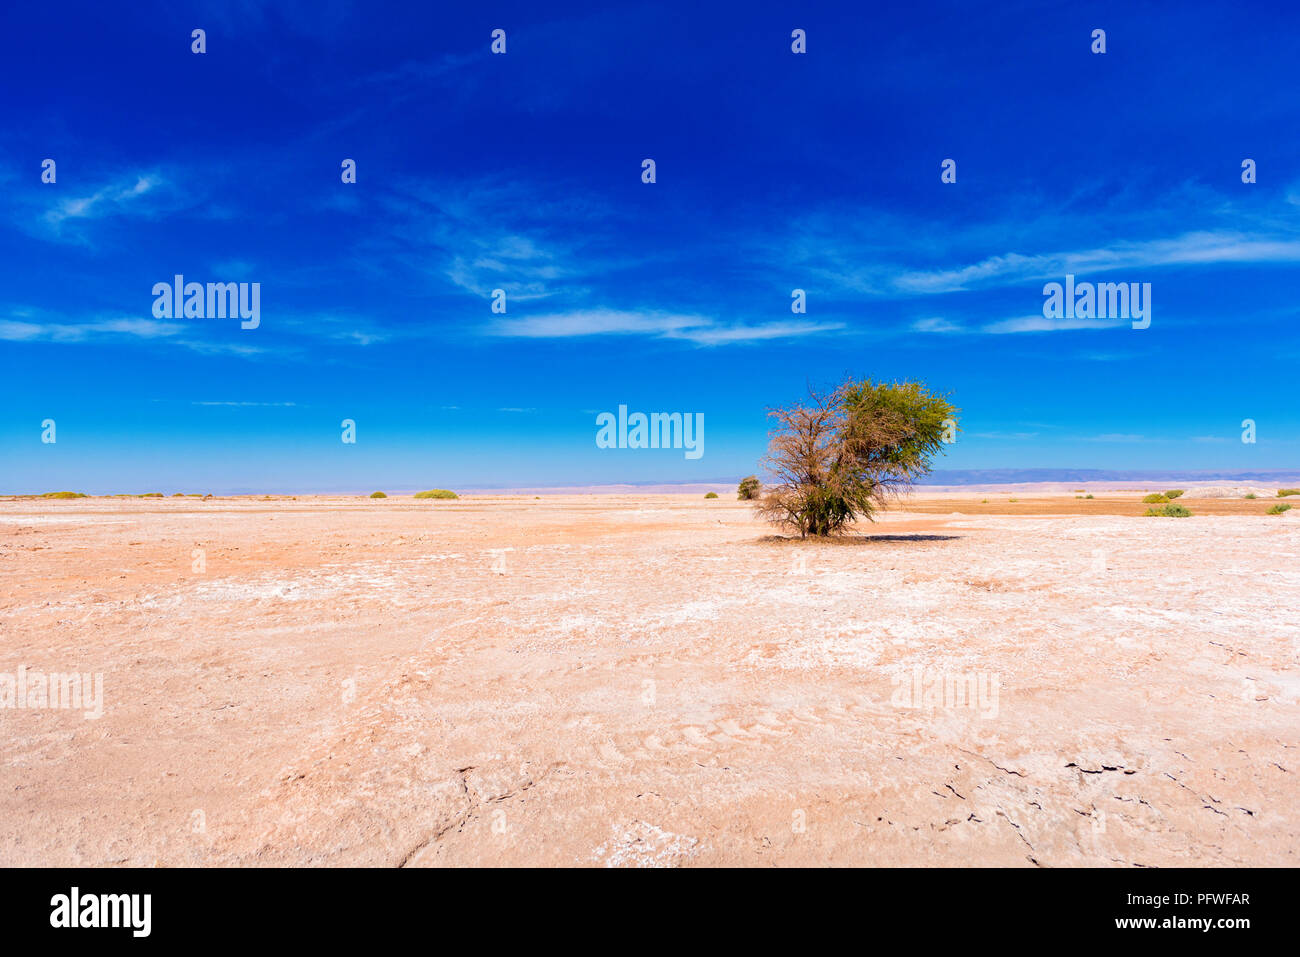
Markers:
651,680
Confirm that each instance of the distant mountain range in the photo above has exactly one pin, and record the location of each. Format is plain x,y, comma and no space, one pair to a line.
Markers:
1020,476
959,478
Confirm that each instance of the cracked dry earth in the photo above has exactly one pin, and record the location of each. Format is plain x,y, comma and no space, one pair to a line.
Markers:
647,681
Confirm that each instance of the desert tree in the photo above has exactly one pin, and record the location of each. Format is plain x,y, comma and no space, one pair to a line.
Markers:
748,488
842,454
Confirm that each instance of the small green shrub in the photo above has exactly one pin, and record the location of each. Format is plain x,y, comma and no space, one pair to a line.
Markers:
1155,498
711,495
1013,500
1170,511
1089,496
378,495
1284,492
748,488
437,493
1173,493
64,495
1251,495
1279,509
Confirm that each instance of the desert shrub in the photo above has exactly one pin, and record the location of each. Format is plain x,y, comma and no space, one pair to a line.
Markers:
1279,509
1154,498
711,495
1078,496
1251,495
748,488
1089,496
437,493
842,454
378,495
1283,492
1013,500
1170,511
1173,493
64,495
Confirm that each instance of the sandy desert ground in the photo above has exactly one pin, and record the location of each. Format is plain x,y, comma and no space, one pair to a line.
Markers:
651,680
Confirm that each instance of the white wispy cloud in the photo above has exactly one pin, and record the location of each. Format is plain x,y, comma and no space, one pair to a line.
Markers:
1030,323
51,214
936,324
103,202
1043,324
720,335
29,325
25,331
612,322
1196,248
248,404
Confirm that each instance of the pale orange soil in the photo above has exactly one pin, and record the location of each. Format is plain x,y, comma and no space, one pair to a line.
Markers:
650,680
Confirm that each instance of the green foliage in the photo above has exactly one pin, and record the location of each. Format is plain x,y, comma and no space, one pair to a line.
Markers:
1154,499
748,488
378,495
1089,496
1284,492
1170,511
1279,508
711,495
1173,493
843,453
1251,495
437,493
64,495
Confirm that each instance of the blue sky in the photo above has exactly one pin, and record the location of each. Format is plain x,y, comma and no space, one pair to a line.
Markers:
522,171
